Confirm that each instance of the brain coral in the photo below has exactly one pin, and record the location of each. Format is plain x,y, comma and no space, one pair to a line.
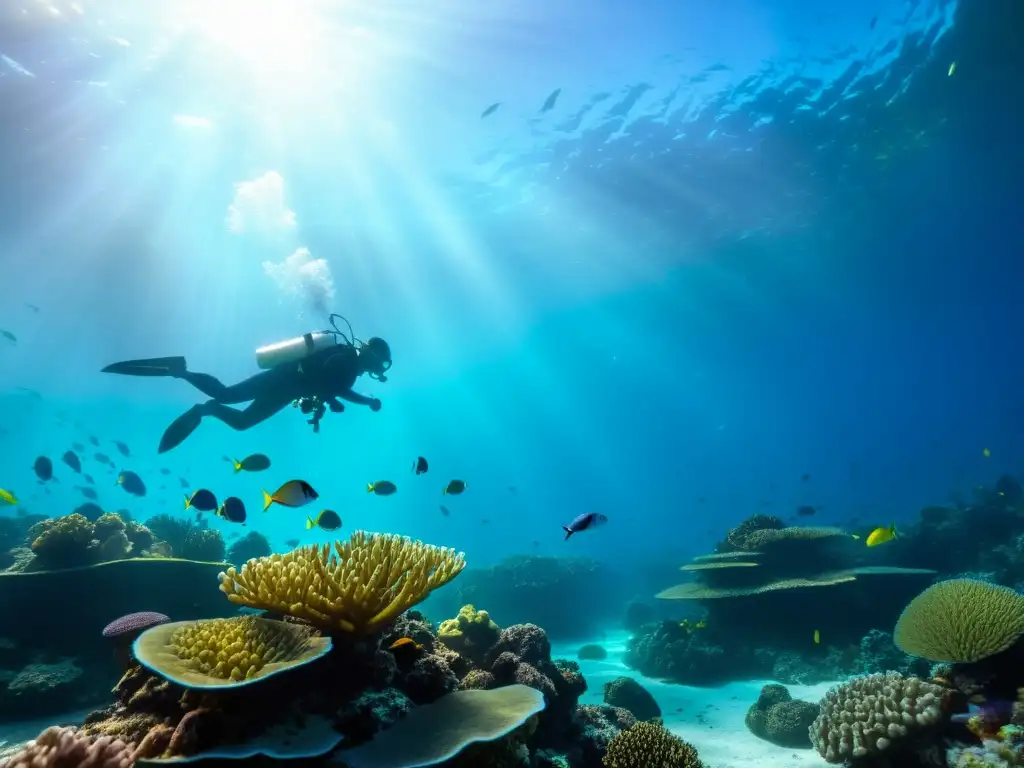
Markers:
223,653
363,585
960,620
864,715
650,745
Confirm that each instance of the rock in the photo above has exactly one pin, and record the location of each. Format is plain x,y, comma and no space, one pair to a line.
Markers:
779,718
626,693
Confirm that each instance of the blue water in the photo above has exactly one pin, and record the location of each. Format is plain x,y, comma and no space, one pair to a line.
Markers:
751,241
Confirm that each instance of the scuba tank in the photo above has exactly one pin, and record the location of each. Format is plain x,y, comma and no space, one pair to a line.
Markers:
294,350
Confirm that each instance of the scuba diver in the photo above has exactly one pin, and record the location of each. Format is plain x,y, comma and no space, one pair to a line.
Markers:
313,372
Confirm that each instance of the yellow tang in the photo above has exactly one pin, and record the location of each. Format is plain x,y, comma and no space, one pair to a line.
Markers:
817,637
882,535
7,496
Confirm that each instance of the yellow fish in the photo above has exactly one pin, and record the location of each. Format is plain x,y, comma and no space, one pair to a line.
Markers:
817,637
7,496
986,453
882,535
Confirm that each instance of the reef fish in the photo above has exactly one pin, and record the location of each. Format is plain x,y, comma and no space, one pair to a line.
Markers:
122,447
202,499
454,488
805,510
232,510
882,535
490,110
43,468
131,483
255,462
381,488
294,493
7,497
71,459
445,511
420,465
328,520
88,492
9,336
583,522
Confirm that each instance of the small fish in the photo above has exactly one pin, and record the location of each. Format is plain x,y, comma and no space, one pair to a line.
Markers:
490,110
381,488
255,462
88,479
184,483
131,483
71,459
294,493
327,520
550,101
583,522
817,637
986,453
420,465
43,468
805,511
805,477
513,489
201,499
952,70
102,458
445,511
291,543
405,642
94,441
9,336
122,447
78,447
7,497
882,535
454,488
874,21
232,510
89,493
164,471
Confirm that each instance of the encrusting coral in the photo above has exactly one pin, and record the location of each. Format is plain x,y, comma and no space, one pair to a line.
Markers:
220,653
650,745
360,587
961,621
867,714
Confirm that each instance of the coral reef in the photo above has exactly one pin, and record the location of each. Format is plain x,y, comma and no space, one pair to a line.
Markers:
592,652
188,540
218,653
874,714
961,620
779,718
469,634
650,745
67,748
40,688
75,540
361,587
249,547
626,693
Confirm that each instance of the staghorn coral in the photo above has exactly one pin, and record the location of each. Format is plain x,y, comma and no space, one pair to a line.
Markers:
650,745
470,634
223,653
360,587
960,620
67,748
865,715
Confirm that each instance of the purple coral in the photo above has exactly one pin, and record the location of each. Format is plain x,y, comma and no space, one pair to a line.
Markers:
131,625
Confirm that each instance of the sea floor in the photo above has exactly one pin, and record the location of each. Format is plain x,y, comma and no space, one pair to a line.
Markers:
709,718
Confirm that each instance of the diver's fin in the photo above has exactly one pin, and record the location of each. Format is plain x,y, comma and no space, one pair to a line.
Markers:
155,366
181,428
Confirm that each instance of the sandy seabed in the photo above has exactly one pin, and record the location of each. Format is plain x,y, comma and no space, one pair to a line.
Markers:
709,718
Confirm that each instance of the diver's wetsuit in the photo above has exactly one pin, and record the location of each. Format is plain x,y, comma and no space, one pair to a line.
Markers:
328,374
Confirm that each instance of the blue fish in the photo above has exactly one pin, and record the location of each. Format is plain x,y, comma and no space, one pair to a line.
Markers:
583,522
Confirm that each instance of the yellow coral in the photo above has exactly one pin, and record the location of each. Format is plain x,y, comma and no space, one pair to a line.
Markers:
650,745
364,584
960,620
217,653
468,619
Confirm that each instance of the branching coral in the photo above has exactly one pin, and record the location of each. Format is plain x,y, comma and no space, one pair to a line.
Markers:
865,715
650,745
220,653
360,587
960,620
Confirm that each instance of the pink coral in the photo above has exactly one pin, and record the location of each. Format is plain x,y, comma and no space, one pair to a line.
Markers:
133,624
67,748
